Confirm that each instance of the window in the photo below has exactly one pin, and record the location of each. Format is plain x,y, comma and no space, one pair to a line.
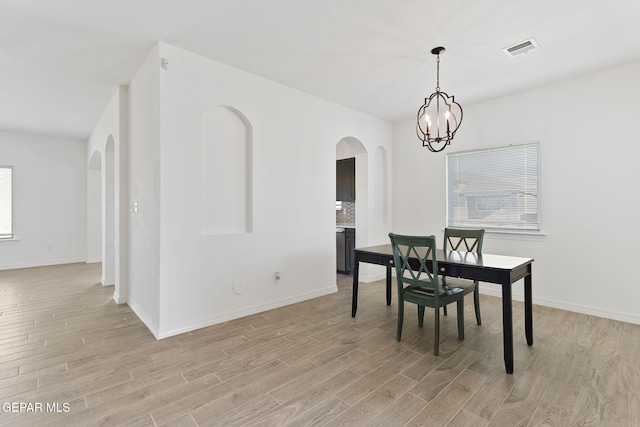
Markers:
495,189
6,202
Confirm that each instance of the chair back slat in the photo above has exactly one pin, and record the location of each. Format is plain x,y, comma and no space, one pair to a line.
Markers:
415,260
463,240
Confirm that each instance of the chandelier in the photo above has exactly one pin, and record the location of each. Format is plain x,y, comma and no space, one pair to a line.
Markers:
440,116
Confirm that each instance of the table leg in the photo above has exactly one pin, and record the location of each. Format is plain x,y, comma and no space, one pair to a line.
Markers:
507,327
388,285
528,308
354,291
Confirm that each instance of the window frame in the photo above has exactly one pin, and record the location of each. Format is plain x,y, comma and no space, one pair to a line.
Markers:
12,233
449,217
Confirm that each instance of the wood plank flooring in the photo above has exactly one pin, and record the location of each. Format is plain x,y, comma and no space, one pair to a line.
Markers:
66,344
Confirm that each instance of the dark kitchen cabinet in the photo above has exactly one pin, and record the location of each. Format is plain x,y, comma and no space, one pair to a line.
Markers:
341,259
346,180
345,243
350,244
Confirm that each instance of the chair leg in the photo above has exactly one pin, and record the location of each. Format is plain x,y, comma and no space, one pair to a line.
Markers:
420,315
476,303
460,304
400,319
436,334
444,310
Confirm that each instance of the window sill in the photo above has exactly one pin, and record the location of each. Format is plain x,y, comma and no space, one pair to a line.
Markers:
516,232
516,236
13,239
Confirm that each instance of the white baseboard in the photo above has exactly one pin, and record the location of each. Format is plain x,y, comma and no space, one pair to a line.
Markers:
119,299
236,314
372,277
496,291
108,282
144,318
32,264
592,311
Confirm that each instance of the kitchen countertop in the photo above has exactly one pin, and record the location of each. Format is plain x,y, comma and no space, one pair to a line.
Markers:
345,225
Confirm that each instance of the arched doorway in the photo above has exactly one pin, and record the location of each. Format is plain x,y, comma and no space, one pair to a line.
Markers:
94,208
349,147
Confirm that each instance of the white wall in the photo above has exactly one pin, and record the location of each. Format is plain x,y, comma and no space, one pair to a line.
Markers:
294,153
144,188
49,200
587,127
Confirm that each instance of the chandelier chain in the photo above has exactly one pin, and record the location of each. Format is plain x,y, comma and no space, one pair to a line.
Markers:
438,73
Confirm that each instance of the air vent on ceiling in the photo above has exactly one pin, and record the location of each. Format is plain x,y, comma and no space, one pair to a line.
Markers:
520,48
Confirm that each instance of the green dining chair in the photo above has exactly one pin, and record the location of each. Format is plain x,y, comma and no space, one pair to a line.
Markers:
418,282
466,241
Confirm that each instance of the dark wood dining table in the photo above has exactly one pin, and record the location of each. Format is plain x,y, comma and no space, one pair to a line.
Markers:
499,269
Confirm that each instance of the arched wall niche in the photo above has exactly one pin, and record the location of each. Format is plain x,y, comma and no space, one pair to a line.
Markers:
227,171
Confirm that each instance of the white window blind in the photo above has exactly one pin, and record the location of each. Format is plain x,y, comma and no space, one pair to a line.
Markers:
495,189
6,202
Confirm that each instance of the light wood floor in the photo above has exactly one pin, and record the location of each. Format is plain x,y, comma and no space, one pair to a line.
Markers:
64,341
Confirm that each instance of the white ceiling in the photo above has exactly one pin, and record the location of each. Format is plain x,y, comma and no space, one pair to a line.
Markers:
61,61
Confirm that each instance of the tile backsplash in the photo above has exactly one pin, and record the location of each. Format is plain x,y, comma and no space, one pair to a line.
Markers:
347,215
